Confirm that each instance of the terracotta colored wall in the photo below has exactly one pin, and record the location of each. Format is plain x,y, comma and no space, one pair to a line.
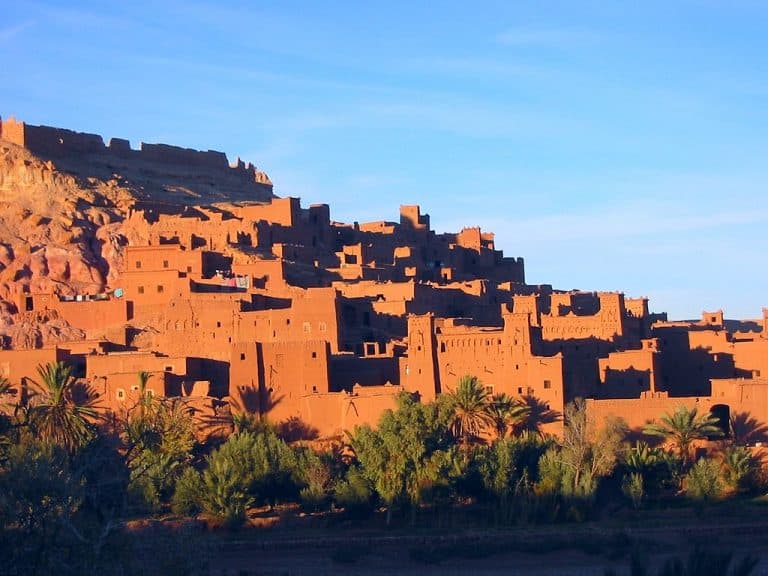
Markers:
135,362
163,258
334,413
93,315
412,218
150,288
21,365
629,373
283,211
12,131
120,391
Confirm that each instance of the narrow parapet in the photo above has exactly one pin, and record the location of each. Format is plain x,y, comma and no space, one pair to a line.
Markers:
60,143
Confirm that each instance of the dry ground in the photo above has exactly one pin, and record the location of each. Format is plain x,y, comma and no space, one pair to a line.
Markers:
309,546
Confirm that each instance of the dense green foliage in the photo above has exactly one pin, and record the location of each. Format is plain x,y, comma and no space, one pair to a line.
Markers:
53,414
69,480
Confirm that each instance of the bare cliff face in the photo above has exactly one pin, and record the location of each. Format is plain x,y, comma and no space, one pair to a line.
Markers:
64,223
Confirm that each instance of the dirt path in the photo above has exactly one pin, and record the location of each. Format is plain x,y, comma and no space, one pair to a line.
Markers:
568,550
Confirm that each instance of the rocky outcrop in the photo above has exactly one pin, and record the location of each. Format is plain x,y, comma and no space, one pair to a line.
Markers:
64,219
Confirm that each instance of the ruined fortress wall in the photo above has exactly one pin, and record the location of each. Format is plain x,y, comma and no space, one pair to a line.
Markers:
12,131
62,143
51,141
166,154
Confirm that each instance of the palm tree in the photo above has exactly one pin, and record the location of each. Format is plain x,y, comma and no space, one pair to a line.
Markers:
5,421
5,386
145,396
471,405
684,426
53,413
507,413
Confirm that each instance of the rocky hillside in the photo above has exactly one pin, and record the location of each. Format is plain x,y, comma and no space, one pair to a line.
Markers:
63,226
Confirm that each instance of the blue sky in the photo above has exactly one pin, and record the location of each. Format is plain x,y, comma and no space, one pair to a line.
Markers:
613,145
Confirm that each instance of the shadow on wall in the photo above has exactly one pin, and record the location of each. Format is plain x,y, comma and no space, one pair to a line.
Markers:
626,383
540,414
747,429
295,429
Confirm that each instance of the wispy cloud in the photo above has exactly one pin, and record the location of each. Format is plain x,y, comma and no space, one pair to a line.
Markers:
11,32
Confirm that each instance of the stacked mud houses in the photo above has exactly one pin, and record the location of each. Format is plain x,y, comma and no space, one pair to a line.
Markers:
275,307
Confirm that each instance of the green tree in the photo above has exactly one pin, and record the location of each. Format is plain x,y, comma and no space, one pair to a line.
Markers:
507,414
5,419
146,398
225,487
471,406
410,457
512,462
584,455
354,493
650,463
683,427
247,468
739,467
159,439
509,469
703,482
39,495
53,413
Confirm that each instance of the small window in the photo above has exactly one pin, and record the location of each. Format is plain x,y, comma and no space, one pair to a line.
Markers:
189,269
307,327
160,289
322,327
169,368
547,384
165,263
141,289
242,356
218,324
120,394
520,390
314,354
287,321
138,264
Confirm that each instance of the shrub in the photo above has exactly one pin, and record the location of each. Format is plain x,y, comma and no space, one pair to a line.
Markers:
703,482
739,469
224,494
313,499
187,495
633,488
354,494
246,468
